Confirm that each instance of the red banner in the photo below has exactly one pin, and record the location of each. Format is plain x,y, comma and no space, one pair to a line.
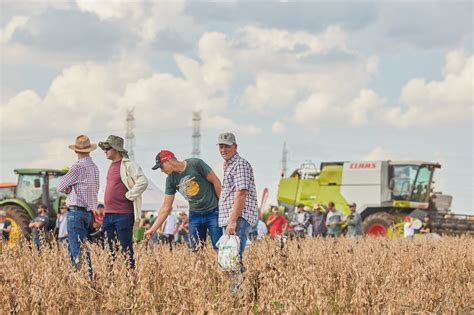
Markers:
264,201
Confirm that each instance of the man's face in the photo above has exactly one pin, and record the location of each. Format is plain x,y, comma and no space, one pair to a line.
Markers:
110,153
227,151
63,210
100,210
352,208
42,210
166,167
300,209
331,207
276,211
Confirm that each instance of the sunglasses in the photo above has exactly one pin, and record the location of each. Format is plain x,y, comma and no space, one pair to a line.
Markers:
105,149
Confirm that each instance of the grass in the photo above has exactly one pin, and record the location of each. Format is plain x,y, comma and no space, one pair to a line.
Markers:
312,276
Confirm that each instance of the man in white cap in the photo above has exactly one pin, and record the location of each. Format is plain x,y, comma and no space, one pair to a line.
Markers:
238,199
81,184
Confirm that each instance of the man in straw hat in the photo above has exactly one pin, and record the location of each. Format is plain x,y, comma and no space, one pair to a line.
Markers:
81,184
123,196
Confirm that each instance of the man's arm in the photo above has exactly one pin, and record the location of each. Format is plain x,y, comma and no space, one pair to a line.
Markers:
140,180
239,203
271,220
165,210
69,179
215,181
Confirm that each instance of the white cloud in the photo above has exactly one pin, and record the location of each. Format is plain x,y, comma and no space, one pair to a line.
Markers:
366,105
111,9
278,127
300,44
55,154
224,124
16,23
146,18
380,154
429,103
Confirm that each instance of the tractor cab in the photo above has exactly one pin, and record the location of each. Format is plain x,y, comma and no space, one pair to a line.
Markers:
410,183
39,186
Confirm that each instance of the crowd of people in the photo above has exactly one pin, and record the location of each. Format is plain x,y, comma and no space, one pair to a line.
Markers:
215,208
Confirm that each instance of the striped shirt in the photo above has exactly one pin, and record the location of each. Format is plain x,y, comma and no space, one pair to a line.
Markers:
83,178
238,175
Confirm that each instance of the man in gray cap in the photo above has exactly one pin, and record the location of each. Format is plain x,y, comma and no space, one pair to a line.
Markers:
238,199
123,196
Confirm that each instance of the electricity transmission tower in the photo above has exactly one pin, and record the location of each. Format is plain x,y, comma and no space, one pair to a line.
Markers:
284,160
129,135
196,133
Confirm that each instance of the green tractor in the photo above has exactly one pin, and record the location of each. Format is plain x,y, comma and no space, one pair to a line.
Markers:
34,187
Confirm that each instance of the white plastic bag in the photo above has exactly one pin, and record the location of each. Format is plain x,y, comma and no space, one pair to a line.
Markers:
228,255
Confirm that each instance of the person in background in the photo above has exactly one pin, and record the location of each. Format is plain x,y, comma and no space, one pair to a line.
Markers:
182,229
354,222
5,227
408,228
168,230
61,224
276,223
318,220
426,227
334,221
39,225
300,221
98,217
262,230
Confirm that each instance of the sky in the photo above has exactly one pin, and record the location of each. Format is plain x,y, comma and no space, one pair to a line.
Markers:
335,80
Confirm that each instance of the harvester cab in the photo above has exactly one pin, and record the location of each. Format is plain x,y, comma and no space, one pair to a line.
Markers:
34,187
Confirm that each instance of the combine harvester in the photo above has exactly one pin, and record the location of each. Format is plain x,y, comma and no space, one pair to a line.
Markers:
385,192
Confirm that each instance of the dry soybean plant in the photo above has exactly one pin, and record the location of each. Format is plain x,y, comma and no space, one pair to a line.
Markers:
312,276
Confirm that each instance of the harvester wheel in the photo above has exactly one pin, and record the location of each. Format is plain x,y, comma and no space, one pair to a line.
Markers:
379,223
19,219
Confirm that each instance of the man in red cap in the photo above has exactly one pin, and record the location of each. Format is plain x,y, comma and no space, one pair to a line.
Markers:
200,186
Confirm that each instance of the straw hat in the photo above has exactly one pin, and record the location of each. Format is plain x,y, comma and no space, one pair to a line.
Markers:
83,145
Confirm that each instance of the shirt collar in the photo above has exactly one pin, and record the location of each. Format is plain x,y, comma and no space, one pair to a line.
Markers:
232,160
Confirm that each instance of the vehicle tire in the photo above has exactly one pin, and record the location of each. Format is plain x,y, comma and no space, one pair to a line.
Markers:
378,224
19,219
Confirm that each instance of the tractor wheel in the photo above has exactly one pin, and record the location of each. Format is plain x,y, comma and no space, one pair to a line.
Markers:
380,223
19,219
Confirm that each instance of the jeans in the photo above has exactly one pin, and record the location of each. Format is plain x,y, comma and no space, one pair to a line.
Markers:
78,224
242,230
202,221
120,226
38,237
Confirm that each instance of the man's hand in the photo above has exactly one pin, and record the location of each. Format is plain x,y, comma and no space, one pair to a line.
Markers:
149,234
230,229
68,190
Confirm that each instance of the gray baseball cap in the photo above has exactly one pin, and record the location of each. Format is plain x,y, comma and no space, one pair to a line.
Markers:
226,138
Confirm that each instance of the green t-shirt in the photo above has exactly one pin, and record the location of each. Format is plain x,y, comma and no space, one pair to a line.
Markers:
193,185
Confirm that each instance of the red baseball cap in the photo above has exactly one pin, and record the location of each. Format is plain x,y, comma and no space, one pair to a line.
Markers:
164,155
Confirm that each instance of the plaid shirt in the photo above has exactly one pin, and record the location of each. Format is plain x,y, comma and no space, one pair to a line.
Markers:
238,175
83,178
